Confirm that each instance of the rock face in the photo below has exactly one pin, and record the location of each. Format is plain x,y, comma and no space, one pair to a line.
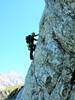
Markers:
51,74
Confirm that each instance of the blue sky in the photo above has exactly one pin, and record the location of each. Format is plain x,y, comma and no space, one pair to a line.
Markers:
17,19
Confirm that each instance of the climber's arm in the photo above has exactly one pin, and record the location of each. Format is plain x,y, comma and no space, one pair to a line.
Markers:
36,35
35,39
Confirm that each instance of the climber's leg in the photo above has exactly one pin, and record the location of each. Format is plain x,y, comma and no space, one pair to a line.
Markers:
34,47
31,53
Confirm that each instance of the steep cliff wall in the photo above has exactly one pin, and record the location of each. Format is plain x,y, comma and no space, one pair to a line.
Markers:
50,74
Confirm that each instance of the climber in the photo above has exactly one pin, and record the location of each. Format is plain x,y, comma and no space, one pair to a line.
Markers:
30,41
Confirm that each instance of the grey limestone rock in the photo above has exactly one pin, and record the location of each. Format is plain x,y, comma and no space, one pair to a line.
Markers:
50,74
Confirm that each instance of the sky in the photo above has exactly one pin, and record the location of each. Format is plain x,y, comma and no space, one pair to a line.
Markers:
18,18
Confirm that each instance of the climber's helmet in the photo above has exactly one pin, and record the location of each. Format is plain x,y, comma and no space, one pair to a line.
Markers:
33,33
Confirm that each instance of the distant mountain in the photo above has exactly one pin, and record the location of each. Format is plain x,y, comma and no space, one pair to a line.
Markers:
10,85
10,79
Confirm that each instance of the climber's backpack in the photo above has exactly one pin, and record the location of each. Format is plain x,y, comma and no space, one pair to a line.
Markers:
28,39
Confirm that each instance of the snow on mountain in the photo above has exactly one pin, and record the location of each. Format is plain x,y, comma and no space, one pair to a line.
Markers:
10,79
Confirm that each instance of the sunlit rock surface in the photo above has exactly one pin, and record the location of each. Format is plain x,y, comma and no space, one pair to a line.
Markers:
50,74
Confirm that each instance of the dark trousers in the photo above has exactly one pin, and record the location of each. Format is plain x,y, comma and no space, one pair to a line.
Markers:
32,48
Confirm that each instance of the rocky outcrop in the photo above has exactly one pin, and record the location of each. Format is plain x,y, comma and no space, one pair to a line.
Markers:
3,95
51,74
14,93
10,95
